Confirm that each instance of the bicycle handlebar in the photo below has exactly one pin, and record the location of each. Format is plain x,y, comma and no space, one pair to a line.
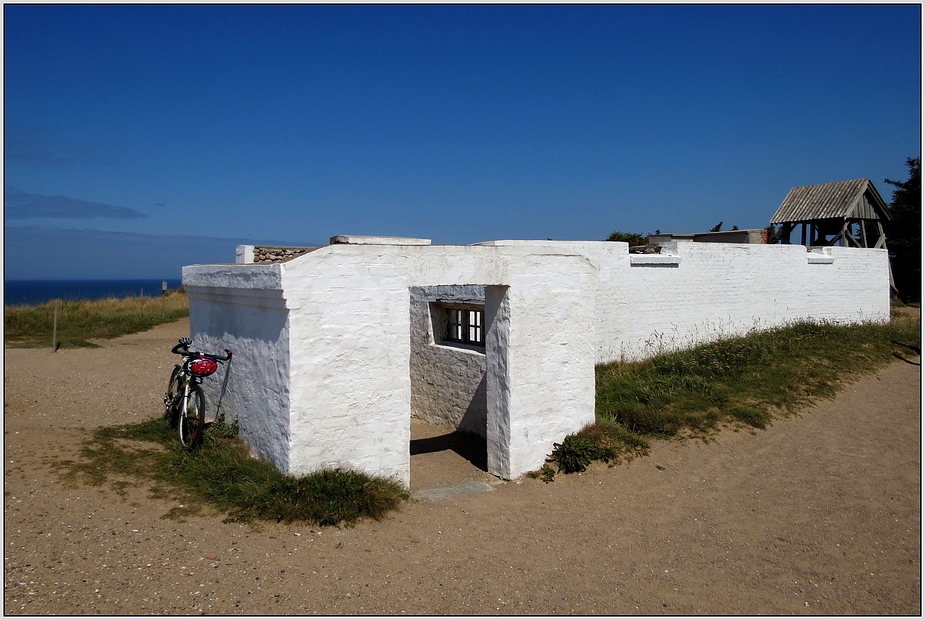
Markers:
182,348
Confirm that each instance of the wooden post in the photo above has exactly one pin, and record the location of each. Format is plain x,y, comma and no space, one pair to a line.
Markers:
54,331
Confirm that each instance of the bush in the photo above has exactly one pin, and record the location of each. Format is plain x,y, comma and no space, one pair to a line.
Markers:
630,238
576,452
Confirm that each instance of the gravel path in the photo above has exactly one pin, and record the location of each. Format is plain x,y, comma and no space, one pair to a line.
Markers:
819,514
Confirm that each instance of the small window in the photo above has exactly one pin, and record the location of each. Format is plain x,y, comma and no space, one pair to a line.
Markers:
465,326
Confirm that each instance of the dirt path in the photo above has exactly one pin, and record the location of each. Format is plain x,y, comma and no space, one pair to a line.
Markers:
820,514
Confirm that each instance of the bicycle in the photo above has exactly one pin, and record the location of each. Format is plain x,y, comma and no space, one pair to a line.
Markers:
184,402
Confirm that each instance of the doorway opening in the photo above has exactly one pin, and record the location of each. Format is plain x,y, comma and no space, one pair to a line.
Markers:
449,408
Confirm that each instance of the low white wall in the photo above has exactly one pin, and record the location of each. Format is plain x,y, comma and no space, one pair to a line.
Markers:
698,292
323,343
720,290
242,308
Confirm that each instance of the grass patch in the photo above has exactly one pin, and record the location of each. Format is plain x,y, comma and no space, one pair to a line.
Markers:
604,441
739,382
80,322
222,476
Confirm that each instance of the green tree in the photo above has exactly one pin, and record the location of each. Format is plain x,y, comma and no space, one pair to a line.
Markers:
774,233
904,233
630,238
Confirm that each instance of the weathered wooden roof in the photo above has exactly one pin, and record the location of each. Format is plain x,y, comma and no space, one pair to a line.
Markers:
856,199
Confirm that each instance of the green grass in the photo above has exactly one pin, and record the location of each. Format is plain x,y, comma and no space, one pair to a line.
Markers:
739,382
81,322
223,477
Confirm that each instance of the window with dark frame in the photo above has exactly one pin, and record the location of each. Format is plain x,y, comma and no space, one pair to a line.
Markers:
465,326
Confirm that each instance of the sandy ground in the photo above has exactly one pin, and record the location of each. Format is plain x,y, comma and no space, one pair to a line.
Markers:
820,514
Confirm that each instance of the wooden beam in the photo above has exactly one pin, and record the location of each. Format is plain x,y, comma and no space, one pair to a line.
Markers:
881,239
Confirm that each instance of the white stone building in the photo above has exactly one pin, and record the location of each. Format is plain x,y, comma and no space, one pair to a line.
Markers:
336,350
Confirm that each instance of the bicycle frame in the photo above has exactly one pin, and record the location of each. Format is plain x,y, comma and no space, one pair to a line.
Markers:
186,379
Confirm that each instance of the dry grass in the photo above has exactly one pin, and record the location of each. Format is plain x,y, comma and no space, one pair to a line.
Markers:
81,322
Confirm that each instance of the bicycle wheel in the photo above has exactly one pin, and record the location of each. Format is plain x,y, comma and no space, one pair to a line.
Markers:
192,418
172,397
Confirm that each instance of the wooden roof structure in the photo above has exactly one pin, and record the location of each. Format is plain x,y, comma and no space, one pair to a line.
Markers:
850,212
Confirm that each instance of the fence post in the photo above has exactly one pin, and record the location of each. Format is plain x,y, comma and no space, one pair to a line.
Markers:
54,331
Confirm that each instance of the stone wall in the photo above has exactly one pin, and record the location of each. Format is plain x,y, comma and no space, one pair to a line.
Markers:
447,381
268,254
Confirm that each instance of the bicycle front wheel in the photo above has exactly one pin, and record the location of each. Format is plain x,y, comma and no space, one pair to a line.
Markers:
172,397
192,418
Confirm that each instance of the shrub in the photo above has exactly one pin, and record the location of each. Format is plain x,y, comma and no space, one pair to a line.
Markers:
577,451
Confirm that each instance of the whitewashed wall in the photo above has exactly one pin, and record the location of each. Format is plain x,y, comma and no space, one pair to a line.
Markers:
244,310
322,371
349,389
698,292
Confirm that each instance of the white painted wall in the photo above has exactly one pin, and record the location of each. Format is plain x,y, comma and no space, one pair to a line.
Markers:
697,292
350,342
241,307
323,354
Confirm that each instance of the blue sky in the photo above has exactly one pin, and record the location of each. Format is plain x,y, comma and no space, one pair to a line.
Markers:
127,126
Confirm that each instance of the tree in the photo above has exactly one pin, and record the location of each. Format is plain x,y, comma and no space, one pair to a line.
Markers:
904,233
774,233
630,238
717,228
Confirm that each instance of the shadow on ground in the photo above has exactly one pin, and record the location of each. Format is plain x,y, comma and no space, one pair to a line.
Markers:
470,447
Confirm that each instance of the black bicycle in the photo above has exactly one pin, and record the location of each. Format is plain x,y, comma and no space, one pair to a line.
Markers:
184,402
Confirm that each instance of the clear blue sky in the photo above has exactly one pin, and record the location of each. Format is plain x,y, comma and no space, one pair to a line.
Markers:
128,125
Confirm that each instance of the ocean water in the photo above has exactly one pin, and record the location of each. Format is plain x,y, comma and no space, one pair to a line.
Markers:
32,292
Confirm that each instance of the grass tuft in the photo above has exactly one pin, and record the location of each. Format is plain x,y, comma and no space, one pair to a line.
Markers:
223,476
576,452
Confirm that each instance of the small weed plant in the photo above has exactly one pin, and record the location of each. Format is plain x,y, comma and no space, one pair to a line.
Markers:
742,382
223,477
80,322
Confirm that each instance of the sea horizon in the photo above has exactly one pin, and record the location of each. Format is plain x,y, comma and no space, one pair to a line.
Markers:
18,292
